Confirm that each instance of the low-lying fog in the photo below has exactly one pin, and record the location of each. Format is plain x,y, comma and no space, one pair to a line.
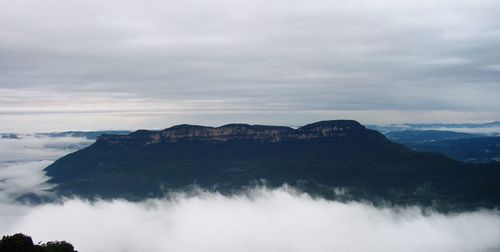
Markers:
260,219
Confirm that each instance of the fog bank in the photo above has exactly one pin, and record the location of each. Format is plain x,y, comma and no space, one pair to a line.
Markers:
258,220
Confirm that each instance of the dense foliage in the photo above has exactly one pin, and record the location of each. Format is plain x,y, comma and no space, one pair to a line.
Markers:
24,243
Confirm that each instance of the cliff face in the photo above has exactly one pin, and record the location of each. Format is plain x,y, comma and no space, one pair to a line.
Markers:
238,132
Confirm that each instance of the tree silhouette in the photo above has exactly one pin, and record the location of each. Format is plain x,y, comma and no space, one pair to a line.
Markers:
23,243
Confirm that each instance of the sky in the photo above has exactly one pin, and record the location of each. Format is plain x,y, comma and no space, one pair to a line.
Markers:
128,64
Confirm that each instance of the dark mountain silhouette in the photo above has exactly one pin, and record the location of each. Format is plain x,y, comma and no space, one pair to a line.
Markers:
318,158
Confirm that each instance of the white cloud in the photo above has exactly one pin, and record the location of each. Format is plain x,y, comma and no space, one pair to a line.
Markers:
36,147
17,179
22,162
479,130
260,220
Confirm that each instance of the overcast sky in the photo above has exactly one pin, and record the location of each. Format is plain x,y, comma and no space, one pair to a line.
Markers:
128,64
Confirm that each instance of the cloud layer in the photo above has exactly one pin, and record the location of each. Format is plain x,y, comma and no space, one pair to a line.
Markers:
152,63
22,161
260,220
35,147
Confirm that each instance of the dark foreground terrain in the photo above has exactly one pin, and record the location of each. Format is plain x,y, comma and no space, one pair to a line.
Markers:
24,243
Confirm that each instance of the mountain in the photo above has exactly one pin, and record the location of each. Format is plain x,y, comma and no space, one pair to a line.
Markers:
476,148
8,136
85,134
91,135
424,136
319,158
489,128
454,125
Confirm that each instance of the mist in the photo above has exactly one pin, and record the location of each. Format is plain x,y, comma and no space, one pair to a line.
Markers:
35,147
257,220
23,159
479,130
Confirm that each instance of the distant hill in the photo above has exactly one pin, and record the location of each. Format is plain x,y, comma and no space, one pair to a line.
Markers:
8,136
490,128
423,136
454,125
477,150
318,158
91,135
86,134
466,147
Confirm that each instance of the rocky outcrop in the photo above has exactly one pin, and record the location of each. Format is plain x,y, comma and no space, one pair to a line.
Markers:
237,132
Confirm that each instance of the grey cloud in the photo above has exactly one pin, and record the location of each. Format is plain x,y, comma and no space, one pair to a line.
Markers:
258,55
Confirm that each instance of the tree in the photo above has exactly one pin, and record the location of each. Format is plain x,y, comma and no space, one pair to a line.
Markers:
23,243
17,242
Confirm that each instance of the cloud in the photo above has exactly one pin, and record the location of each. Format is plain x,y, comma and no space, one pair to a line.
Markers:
22,161
478,130
259,220
17,179
36,147
263,56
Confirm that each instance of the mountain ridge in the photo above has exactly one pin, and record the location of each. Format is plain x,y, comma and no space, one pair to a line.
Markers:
317,158
231,132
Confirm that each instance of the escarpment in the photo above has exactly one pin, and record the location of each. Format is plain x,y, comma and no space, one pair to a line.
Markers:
239,132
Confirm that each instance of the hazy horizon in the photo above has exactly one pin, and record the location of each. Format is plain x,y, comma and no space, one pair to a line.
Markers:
473,128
